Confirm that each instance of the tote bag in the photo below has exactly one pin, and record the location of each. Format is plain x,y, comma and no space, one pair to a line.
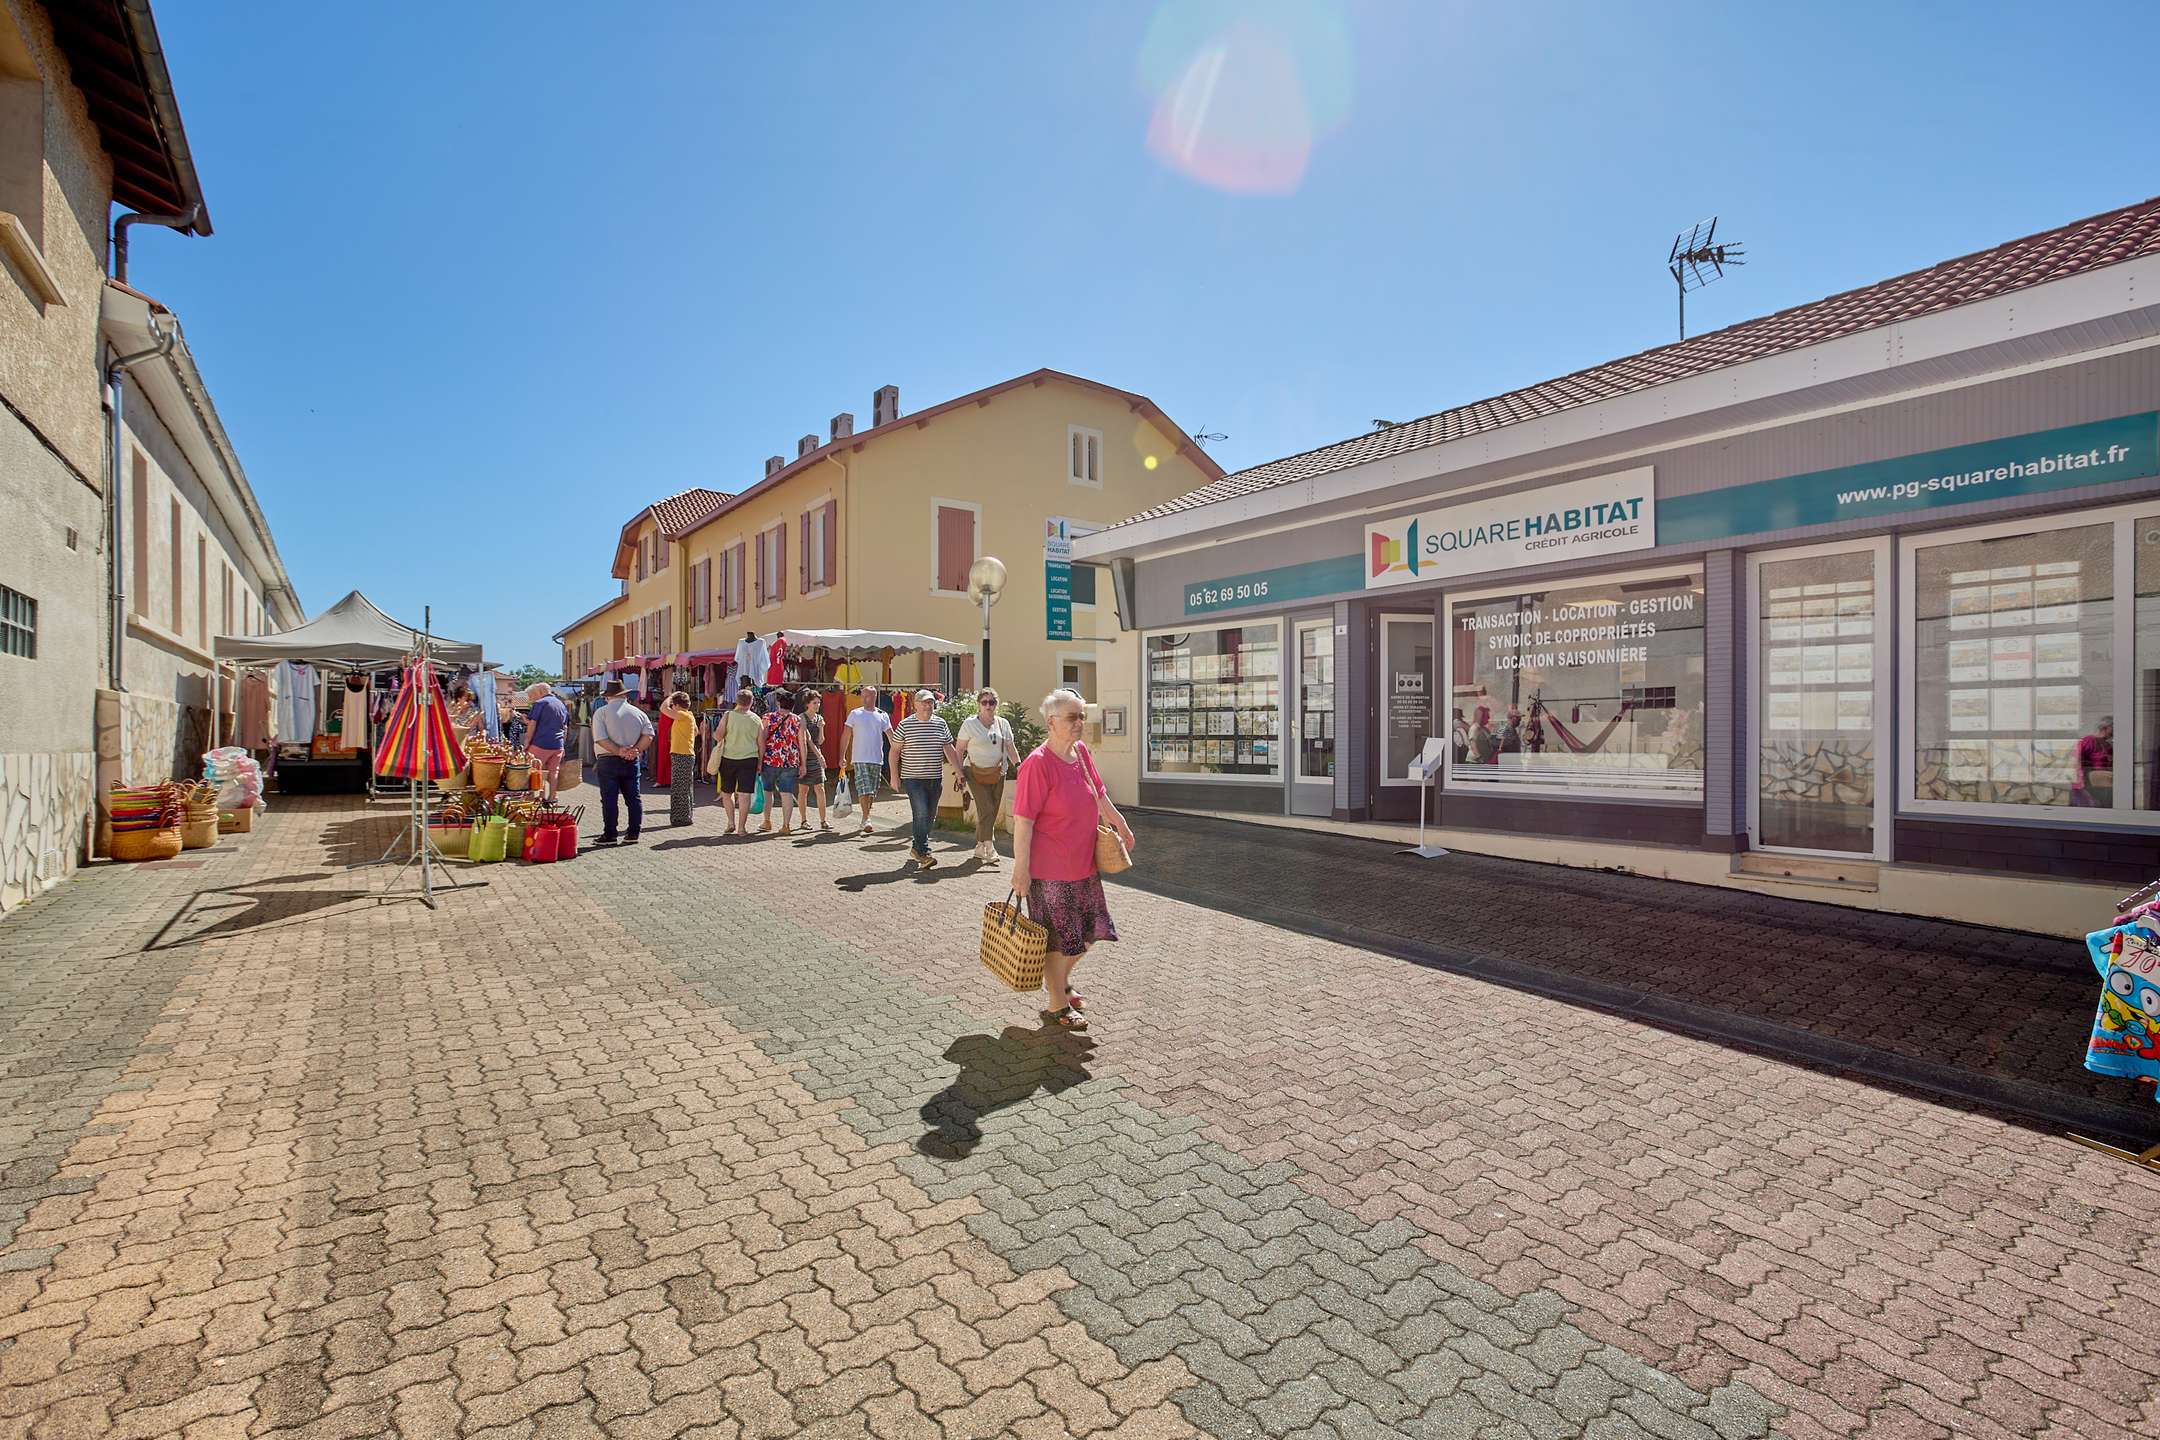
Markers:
1014,946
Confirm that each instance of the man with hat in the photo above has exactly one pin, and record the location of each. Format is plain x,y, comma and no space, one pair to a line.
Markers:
621,733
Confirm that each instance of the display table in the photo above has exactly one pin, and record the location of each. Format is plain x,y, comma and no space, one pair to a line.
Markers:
344,774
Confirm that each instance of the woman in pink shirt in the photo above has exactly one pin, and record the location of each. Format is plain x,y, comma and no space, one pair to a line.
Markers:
1057,801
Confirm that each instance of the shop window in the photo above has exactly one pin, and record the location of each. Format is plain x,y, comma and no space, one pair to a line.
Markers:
1815,730
2013,668
1083,587
1408,686
1595,687
18,624
1215,702
2145,775
1084,456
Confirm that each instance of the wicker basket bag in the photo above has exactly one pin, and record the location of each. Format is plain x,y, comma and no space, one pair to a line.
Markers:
1014,946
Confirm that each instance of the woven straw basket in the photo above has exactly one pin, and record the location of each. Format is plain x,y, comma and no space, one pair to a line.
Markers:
1014,946
136,845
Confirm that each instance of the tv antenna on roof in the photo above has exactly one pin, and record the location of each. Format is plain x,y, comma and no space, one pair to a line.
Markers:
1698,258
1205,437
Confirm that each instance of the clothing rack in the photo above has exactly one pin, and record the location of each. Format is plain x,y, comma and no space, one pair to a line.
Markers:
419,848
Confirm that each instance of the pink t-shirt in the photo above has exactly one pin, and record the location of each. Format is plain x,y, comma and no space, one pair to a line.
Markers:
1060,800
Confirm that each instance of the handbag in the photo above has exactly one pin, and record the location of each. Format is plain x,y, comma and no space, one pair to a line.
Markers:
1014,946
986,774
1111,856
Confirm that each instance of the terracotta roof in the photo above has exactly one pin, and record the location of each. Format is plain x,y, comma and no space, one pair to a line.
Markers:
116,60
679,514
1138,403
601,609
2089,244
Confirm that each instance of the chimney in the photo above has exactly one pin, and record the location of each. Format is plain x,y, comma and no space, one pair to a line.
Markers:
805,445
773,463
843,425
885,405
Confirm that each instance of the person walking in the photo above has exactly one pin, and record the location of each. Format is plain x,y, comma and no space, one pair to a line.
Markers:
621,734
986,748
550,729
813,760
781,755
867,727
921,746
1058,800
736,761
682,744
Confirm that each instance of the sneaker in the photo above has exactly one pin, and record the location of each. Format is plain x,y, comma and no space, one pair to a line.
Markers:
606,839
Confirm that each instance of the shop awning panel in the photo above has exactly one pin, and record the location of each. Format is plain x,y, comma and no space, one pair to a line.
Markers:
870,644
351,632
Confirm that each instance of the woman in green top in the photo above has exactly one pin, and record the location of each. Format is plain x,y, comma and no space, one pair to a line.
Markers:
736,761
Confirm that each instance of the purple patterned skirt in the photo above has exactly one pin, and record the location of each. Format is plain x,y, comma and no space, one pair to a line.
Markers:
1074,911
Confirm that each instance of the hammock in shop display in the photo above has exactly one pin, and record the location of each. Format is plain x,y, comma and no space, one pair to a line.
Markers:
1540,716
398,749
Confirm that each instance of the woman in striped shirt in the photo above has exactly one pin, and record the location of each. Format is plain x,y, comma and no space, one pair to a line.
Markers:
922,745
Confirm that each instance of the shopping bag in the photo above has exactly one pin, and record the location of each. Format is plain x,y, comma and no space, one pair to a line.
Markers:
1013,945
1111,856
542,844
843,794
757,797
489,839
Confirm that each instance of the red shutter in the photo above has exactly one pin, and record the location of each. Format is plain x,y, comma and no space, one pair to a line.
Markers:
956,547
802,581
828,563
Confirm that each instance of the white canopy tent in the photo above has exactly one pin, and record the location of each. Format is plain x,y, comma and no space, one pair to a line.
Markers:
352,632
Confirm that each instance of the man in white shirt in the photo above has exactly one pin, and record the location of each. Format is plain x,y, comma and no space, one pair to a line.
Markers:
751,659
867,727
621,733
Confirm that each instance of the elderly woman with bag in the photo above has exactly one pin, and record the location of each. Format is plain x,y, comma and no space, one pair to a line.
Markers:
1059,807
986,746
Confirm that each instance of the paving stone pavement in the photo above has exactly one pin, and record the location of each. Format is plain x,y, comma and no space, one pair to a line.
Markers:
712,1138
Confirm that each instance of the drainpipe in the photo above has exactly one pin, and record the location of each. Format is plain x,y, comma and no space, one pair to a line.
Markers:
180,221
115,381
116,450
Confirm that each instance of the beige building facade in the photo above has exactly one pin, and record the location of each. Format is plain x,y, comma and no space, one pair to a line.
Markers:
85,702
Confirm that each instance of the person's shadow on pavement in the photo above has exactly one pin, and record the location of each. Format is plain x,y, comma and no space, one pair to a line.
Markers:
997,1071
856,884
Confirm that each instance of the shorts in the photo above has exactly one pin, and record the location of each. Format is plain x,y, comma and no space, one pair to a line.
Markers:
548,762
738,777
866,780
779,779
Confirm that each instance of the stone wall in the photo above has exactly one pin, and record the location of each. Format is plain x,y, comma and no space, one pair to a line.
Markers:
45,804
142,740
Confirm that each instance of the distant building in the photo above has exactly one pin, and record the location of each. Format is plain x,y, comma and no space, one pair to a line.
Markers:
169,541
875,529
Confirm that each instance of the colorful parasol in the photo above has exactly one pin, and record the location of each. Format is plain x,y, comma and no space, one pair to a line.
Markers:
419,707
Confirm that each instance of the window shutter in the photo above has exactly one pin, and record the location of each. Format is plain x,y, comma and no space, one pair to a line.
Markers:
757,584
826,563
779,562
956,547
802,582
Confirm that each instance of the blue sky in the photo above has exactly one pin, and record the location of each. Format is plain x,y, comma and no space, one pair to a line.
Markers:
515,270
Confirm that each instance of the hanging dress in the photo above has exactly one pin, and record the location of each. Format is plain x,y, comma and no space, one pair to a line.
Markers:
354,727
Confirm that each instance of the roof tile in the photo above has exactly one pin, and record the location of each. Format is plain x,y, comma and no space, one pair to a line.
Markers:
2089,244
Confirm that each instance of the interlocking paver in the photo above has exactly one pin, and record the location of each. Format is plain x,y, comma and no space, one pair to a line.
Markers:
705,1158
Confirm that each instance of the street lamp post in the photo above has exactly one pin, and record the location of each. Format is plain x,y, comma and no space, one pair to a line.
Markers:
986,581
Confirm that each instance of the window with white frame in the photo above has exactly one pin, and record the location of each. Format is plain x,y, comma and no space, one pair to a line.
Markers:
1083,456
954,537
2021,662
18,624
1585,687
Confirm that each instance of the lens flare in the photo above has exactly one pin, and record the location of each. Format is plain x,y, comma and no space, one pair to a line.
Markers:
1243,92
1150,461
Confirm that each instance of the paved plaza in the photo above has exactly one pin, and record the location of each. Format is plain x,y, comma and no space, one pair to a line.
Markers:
707,1138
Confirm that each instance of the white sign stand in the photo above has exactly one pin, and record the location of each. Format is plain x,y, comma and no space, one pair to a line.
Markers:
1423,769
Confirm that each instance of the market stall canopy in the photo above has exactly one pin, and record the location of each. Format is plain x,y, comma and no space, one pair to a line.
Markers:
869,644
351,632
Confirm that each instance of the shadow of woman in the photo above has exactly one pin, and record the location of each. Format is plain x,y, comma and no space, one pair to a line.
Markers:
997,1071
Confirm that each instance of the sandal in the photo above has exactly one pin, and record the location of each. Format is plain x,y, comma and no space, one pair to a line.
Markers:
1079,1001
1066,1018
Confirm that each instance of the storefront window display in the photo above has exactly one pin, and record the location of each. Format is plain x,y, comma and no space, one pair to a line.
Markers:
1215,702
1594,686
1817,649
1408,685
2013,660
2145,776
